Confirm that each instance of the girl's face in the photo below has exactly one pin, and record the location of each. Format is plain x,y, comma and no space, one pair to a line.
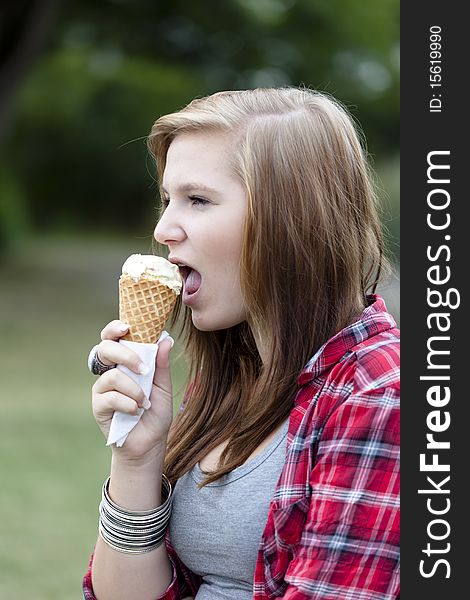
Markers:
202,226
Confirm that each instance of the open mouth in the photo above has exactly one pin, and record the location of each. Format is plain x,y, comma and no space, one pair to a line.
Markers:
191,280
184,271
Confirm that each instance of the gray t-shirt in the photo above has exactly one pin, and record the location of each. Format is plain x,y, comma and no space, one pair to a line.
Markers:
216,530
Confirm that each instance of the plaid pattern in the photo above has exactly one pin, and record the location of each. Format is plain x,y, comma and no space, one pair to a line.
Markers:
333,525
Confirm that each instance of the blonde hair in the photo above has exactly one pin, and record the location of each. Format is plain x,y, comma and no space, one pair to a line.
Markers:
312,249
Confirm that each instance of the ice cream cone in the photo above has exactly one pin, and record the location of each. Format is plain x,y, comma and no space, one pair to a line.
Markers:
148,288
145,305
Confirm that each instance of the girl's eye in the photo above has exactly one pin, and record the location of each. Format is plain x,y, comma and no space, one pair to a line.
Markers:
196,201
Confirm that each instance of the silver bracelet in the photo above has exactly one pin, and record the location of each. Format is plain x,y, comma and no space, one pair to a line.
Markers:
134,532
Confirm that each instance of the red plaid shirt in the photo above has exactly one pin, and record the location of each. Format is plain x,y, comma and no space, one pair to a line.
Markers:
333,524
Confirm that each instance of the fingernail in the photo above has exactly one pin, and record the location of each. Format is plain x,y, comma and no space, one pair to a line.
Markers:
171,340
146,404
143,369
124,327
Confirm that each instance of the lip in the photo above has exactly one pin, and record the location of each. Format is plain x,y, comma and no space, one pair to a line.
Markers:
179,261
190,299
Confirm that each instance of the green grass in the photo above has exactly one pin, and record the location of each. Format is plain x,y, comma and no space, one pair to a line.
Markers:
55,297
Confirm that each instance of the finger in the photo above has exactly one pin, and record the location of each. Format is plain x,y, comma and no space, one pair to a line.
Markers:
115,380
114,353
108,402
162,377
114,330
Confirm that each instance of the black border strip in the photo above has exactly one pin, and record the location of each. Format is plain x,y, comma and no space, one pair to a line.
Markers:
434,124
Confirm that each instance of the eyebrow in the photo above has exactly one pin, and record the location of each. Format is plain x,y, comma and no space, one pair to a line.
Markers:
192,187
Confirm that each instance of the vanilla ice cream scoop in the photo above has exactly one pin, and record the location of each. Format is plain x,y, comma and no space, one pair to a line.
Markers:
148,266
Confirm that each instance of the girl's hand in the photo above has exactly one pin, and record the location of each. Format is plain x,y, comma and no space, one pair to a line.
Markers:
114,390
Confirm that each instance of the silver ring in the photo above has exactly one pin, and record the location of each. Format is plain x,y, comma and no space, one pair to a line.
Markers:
95,365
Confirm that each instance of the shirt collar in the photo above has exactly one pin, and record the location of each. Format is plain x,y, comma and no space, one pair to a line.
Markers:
373,320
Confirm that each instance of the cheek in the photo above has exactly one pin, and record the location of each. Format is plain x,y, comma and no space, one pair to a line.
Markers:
223,270
224,244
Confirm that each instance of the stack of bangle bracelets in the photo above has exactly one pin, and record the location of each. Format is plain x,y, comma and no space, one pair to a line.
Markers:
134,532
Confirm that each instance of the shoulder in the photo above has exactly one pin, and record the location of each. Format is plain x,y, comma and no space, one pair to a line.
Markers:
372,401
366,376
377,363
372,364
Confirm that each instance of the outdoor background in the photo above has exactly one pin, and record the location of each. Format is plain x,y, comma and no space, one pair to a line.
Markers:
81,84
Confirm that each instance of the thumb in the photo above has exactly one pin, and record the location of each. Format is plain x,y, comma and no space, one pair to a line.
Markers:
162,377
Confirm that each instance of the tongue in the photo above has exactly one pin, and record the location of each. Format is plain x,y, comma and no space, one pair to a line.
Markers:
192,283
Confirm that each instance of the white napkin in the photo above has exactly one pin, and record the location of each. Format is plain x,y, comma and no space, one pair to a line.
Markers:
122,424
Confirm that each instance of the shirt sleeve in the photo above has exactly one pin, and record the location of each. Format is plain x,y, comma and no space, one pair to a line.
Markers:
86,584
349,544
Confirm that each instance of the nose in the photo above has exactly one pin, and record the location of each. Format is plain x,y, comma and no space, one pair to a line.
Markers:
168,230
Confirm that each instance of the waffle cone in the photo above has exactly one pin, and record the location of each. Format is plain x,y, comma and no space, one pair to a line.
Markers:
145,305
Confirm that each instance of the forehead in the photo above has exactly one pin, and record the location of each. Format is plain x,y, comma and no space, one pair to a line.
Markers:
198,157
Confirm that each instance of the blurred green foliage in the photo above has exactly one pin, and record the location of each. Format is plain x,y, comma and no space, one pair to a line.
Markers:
71,142
75,155
14,221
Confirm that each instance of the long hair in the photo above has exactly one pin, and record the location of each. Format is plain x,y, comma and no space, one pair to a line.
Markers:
312,249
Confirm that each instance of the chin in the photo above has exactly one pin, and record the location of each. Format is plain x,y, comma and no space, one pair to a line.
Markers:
215,324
